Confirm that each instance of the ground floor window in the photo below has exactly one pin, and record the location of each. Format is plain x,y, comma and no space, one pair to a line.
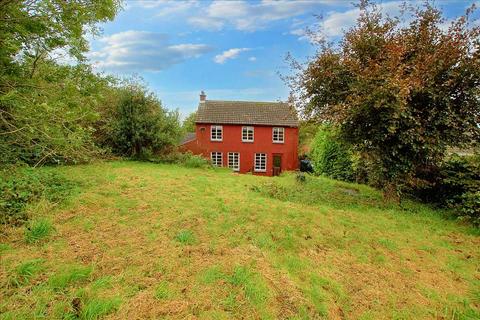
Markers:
217,159
260,162
234,161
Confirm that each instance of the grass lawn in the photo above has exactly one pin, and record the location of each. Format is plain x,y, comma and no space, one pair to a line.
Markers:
139,240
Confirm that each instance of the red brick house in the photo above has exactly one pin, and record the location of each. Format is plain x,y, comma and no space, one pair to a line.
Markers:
257,137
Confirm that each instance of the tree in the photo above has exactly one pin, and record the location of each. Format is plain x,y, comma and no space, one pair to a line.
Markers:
189,122
140,125
52,120
47,109
330,156
400,91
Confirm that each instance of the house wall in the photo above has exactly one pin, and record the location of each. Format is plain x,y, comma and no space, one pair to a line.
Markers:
232,142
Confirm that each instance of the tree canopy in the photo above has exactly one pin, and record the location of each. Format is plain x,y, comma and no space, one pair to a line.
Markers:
401,90
54,108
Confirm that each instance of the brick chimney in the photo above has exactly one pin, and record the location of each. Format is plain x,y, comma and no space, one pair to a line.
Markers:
203,96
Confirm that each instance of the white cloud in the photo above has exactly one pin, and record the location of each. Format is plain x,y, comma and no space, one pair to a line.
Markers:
173,7
336,22
163,8
143,51
248,16
229,54
206,23
252,59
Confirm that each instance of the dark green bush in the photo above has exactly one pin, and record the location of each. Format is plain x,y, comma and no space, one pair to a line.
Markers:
19,187
138,126
455,184
194,161
459,187
330,156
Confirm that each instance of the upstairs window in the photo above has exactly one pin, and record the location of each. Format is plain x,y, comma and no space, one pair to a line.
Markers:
217,159
260,162
234,161
278,135
247,134
216,133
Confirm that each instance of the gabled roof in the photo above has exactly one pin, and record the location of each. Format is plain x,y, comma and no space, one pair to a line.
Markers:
247,112
189,136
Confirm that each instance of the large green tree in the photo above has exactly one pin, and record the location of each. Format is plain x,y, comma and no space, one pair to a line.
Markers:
189,122
47,108
401,90
139,125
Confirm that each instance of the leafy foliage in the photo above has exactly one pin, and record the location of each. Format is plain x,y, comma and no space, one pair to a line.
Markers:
46,108
19,187
52,121
189,122
139,125
400,90
330,156
53,108
306,134
455,184
186,159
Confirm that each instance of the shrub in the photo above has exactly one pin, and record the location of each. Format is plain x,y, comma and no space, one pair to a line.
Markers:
330,156
186,159
455,184
469,208
459,187
139,126
19,187
194,161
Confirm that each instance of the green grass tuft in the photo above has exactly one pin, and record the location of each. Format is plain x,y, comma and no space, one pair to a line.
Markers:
69,276
185,237
38,230
162,291
25,271
252,284
98,308
211,275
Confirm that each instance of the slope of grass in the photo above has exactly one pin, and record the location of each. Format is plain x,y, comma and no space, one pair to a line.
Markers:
161,241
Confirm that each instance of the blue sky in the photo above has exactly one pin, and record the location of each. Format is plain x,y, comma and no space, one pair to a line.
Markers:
233,50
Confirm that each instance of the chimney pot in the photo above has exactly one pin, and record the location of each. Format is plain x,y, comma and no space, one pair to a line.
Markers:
203,96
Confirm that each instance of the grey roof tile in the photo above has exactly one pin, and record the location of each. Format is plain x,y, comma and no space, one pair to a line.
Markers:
247,112
189,136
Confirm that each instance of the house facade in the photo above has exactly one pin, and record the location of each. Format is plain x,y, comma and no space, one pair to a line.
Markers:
257,137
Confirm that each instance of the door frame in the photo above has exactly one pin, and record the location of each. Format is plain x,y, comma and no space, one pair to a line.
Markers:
279,155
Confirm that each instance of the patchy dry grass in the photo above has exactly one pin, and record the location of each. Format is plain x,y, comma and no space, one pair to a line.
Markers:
161,241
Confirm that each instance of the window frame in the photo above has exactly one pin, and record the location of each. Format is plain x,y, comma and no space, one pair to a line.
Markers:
282,129
253,133
216,127
214,162
255,162
237,168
